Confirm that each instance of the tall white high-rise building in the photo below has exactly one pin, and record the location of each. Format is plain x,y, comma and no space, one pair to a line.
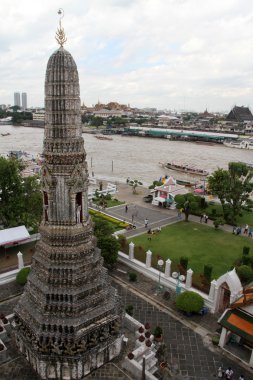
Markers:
17,99
24,101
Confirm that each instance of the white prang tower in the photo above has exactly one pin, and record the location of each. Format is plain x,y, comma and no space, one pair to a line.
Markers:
68,320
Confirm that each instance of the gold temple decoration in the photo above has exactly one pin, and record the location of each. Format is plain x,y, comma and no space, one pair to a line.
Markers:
60,34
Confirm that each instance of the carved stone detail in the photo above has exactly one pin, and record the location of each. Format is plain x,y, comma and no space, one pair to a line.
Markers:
68,292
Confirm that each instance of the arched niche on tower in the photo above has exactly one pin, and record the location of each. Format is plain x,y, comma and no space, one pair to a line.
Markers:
78,192
45,205
79,207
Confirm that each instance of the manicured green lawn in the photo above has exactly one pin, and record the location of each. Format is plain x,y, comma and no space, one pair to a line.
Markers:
203,245
109,202
114,202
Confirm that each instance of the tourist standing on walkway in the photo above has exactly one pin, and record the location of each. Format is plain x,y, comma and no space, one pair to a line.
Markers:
126,208
246,229
229,373
250,232
146,223
220,373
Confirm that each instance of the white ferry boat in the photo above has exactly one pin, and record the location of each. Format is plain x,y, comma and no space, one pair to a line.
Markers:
241,144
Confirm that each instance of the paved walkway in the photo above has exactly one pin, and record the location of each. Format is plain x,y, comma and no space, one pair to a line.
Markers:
135,201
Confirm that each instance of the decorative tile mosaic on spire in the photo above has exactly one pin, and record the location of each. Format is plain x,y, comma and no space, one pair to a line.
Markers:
67,322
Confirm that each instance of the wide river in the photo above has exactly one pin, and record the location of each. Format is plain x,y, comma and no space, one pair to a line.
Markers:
134,157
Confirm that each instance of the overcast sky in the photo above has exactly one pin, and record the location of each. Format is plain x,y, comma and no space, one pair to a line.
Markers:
174,54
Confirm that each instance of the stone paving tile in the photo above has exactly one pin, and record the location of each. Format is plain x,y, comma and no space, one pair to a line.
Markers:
184,347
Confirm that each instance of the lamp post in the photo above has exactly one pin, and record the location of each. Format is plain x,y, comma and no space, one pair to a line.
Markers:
180,278
160,264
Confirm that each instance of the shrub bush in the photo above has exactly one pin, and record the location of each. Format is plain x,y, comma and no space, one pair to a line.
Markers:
122,240
245,273
21,277
245,250
189,302
148,343
158,332
129,310
246,260
218,222
215,339
166,295
184,262
208,272
132,276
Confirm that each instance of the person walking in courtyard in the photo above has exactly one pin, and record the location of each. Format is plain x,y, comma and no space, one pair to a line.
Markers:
250,232
246,229
220,373
126,208
229,373
201,218
146,223
206,219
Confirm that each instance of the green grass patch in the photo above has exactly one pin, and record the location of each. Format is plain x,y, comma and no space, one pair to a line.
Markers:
109,203
203,245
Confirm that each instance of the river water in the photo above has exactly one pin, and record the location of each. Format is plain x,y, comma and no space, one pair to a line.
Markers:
134,157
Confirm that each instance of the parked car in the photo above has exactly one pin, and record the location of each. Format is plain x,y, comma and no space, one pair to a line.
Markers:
148,198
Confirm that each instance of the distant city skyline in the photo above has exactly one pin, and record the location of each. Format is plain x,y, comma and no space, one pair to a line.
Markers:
176,54
20,100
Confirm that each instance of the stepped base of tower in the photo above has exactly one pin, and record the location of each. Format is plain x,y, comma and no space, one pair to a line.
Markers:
74,367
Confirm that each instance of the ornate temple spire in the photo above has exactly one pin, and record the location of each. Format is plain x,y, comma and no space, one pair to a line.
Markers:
60,34
67,322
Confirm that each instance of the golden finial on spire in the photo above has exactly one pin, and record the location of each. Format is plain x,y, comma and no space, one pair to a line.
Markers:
60,34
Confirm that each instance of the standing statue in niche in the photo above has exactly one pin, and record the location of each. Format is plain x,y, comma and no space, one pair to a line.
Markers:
78,213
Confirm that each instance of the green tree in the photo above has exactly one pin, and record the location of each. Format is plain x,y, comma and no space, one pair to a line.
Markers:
10,191
187,202
109,250
97,121
155,183
106,242
102,228
232,187
31,202
134,183
20,198
22,275
245,273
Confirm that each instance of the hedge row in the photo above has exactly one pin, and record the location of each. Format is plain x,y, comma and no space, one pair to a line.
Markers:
108,218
